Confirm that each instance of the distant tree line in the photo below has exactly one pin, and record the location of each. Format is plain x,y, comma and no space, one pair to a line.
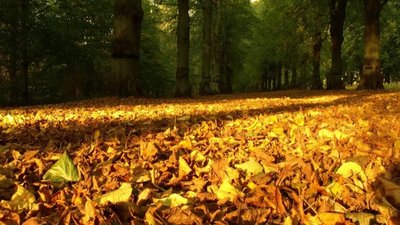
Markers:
61,50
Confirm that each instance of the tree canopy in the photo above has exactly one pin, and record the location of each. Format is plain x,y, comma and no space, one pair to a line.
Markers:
61,50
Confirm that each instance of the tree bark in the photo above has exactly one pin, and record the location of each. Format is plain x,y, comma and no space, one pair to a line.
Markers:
286,80
13,60
316,83
337,18
302,82
279,76
273,72
24,51
206,48
128,16
371,77
294,77
182,71
215,46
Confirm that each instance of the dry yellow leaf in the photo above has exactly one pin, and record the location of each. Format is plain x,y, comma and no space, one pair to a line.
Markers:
122,194
174,200
21,200
251,167
350,169
326,218
184,168
226,191
144,196
90,211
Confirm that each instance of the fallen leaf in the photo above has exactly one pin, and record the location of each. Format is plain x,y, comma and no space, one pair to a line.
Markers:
251,167
90,212
184,168
122,194
226,191
174,200
349,169
63,170
21,200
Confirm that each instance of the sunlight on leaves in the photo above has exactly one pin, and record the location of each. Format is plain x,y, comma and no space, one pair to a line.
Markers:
251,167
184,168
174,200
122,194
226,191
21,200
349,169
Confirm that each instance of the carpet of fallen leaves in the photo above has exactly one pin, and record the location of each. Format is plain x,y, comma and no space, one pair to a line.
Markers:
263,158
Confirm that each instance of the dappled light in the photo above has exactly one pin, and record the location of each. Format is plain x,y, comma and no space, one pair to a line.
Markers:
199,112
253,158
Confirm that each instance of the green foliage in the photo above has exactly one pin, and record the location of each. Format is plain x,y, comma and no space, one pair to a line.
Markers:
68,43
63,170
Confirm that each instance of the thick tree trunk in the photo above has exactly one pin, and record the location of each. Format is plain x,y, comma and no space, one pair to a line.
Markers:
128,16
206,54
316,83
182,71
337,17
371,77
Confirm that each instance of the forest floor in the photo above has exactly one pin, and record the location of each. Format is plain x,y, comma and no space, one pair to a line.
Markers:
290,157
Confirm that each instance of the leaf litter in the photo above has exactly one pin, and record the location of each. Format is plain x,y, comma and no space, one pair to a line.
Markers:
264,158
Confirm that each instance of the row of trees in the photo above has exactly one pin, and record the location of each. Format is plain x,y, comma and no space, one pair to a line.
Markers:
324,23
216,71
58,50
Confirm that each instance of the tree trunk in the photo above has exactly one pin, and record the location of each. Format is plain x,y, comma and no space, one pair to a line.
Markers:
316,83
337,17
128,16
302,82
372,77
13,62
182,70
279,77
294,77
226,72
24,51
215,46
206,54
272,74
286,80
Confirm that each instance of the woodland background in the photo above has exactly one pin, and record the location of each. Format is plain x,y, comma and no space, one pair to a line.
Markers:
58,50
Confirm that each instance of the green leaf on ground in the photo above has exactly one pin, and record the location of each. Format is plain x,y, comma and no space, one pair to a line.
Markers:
63,170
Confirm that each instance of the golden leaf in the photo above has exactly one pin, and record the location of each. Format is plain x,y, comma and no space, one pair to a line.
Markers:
174,200
90,211
144,196
21,200
326,218
184,168
251,167
349,169
148,149
122,194
226,191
